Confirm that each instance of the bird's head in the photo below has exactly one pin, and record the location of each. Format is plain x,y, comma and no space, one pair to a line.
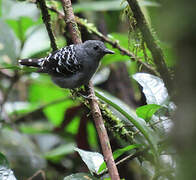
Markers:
96,48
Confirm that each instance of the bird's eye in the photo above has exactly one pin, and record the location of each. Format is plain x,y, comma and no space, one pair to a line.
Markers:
96,47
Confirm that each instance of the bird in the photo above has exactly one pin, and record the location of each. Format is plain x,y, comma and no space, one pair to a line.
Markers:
71,66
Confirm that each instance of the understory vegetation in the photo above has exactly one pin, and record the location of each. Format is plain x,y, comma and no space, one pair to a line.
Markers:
47,132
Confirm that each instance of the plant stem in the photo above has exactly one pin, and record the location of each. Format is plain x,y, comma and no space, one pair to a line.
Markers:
103,136
104,140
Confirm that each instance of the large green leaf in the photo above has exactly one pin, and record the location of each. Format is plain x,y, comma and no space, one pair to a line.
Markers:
139,123
9,45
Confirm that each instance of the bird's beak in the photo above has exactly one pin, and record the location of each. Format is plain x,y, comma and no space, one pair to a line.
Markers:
108,51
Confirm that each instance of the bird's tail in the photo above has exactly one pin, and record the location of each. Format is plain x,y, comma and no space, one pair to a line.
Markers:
34,62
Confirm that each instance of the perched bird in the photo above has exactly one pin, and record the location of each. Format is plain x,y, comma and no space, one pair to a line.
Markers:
71,66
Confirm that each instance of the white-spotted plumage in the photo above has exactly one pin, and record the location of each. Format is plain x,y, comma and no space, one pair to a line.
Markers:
71,66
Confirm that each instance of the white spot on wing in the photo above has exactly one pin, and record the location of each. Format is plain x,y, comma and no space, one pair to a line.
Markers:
59,62
57,69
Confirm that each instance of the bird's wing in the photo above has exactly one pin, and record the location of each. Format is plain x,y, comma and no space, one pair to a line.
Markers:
63,62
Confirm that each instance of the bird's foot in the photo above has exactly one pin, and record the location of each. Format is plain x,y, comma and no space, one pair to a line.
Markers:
90,97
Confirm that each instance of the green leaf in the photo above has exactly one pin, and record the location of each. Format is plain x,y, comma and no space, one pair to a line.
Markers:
146,112
121,151
9,45
80,176
93,160
140,124
118,153
153,88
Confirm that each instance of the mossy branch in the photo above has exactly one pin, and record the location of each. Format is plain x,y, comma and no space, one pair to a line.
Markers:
148,37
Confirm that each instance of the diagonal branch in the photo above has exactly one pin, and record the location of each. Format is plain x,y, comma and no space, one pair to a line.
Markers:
41,107
104,140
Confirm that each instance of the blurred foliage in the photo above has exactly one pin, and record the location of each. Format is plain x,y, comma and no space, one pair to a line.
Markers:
41,124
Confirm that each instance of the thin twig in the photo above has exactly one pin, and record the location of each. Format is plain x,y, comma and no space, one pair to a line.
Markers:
104,140
36,174
25,116
46,20
115,44
154,48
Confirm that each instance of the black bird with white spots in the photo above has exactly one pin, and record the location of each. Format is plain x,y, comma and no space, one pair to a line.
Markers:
71,66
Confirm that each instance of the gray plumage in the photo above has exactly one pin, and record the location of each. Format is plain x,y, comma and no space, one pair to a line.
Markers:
71,66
